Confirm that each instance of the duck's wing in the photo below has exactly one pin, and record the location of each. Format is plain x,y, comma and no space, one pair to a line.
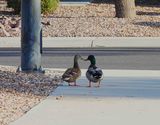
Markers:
95,72
98,73
67,74
71,74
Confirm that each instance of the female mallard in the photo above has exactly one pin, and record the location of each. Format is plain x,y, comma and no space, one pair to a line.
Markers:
72,74
93,74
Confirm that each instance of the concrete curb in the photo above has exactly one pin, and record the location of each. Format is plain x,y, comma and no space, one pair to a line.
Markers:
88,42
74,2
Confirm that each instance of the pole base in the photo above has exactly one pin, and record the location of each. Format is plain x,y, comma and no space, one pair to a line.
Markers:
41,70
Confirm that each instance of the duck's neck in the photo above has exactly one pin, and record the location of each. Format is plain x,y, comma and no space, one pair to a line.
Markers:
93,62
76,65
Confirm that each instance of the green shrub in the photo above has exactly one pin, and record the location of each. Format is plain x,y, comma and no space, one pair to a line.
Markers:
47,6
15,4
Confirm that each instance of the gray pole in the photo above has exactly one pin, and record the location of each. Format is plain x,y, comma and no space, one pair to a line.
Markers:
31,38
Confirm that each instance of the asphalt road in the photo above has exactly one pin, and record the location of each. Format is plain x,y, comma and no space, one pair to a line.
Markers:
137,59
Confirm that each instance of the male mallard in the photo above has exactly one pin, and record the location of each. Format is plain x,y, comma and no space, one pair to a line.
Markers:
93,74
72,74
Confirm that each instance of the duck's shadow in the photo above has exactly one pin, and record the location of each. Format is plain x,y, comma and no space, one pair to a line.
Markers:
80,85
65,85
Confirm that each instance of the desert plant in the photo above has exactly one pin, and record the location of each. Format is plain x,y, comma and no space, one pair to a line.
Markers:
47,6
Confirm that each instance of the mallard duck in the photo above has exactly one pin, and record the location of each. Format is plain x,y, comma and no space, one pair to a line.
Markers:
72,74
93,74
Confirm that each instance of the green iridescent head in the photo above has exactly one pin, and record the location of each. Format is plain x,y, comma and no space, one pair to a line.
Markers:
92,59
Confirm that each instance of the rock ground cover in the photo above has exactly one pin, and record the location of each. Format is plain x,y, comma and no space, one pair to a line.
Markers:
19,92
92,20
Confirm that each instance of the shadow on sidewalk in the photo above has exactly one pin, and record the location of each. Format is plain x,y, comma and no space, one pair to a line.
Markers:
148,13
150,24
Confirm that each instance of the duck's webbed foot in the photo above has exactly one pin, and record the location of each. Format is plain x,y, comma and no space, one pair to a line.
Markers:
89,84
75,84
98,84
71,84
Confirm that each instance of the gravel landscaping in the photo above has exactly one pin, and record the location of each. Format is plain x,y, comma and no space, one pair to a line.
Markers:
19,92
92,20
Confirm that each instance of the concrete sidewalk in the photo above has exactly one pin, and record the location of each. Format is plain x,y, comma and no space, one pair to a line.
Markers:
89,42
126,97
